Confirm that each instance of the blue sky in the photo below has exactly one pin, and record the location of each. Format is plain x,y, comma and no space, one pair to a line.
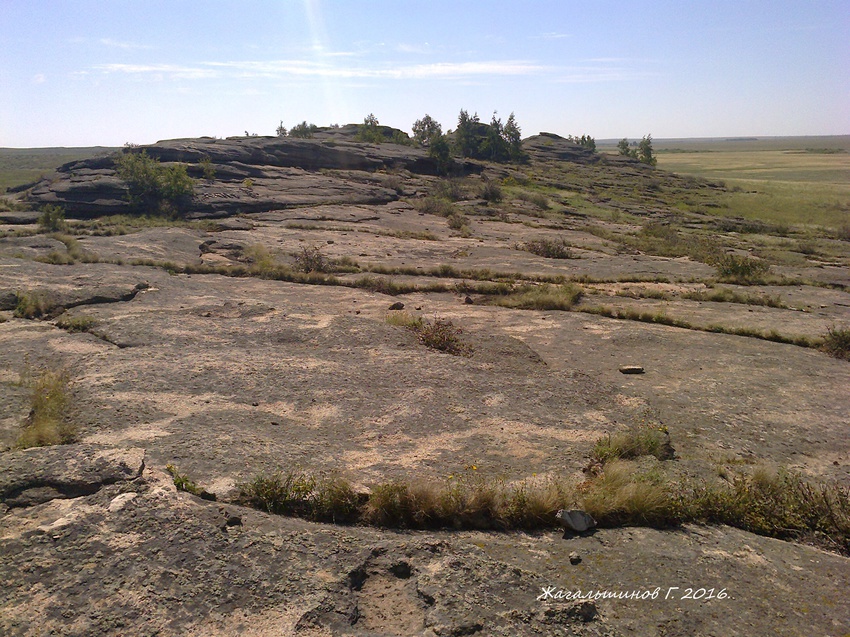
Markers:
76,72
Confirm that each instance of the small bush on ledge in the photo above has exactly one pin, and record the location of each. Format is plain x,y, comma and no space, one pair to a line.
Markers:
154,188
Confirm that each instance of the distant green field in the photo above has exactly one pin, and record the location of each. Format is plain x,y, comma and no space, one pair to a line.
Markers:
24,165
782,180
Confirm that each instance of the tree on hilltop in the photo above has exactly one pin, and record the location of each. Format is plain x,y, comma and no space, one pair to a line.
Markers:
644,152
641,151
303,130
465,135
426,129
513,137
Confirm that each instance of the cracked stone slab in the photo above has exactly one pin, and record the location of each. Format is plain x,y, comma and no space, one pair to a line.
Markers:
41,474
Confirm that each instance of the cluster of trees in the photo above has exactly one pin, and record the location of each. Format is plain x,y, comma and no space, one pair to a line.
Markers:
585,140
372,132
302,130
494,141
641,151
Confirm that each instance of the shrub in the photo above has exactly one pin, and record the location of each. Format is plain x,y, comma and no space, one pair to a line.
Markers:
491,192
435,206
458,222
154,188
451,189
837,343
733,267
440,151
440,335
182,482
207,168
548,248
47,422
443,336
536,198
370,131
52,219
311,259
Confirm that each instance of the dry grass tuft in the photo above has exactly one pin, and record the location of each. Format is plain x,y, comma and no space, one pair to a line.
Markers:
837,343
50,397
542,297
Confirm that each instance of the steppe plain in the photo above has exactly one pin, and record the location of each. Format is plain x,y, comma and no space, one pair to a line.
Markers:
194,356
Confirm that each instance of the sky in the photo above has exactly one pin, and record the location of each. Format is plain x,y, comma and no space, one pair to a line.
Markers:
109,72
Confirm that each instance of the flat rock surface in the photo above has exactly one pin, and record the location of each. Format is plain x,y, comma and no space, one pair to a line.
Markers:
204,347
67,471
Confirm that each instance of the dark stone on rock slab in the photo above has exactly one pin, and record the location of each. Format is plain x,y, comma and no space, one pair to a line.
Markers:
575,558
398,305
631,369
234,224
33,476
575,520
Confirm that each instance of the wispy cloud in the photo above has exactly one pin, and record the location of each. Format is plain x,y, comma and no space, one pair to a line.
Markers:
302,68
590,71
419,49
159,71
39,78
117,44
552,36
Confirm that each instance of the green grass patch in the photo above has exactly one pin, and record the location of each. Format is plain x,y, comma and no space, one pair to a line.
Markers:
645,439
72,324
541,297
726,295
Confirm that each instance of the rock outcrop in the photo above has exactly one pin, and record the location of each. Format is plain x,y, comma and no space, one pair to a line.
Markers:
252,174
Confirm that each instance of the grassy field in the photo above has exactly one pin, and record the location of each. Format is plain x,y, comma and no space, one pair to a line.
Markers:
787,181
24,165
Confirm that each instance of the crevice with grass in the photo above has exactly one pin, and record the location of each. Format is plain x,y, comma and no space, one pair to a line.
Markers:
621,488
